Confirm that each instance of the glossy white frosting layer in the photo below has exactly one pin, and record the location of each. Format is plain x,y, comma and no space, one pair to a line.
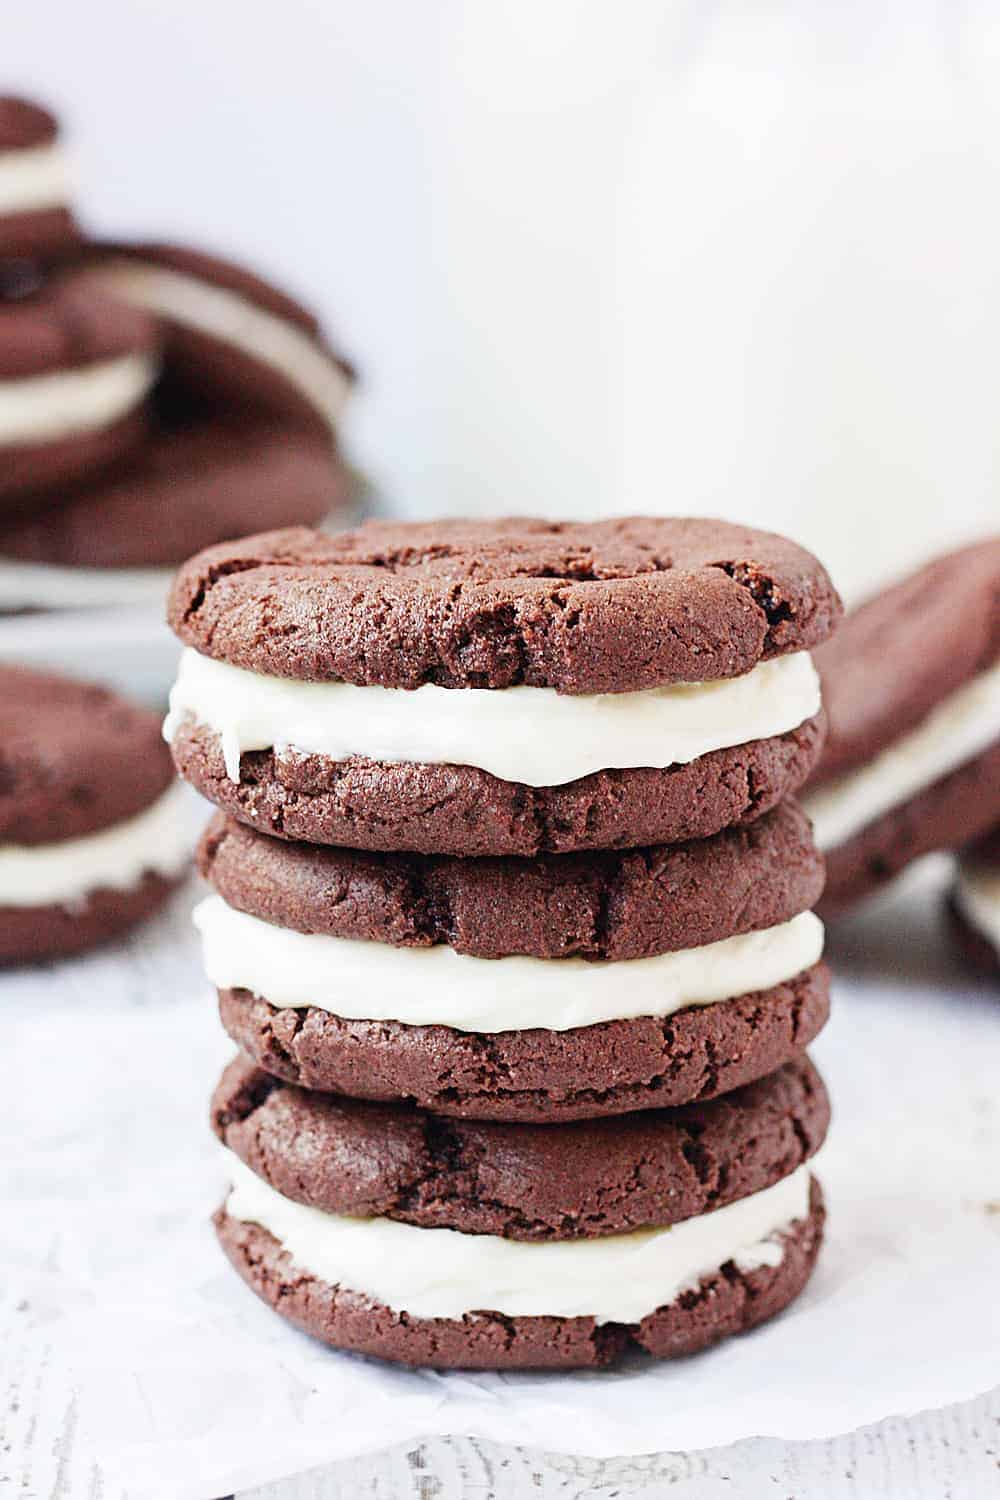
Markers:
438,987
65,403
34,179
156,841
532,735
442,1273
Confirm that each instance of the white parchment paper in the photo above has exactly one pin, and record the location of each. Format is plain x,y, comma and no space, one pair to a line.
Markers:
186,1386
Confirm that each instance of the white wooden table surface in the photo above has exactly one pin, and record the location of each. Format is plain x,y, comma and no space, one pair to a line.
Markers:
948,1455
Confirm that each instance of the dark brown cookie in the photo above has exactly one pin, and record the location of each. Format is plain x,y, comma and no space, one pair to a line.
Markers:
597,906
35,220
29,934
75,761
724,1303
207,372
612,1068
523,1182
897,657
445,809
74,758
944,815
68,327
201,482
609,606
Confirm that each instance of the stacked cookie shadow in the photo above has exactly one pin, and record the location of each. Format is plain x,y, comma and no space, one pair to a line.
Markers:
153,399
511,921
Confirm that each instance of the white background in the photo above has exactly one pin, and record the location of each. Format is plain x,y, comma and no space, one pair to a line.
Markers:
713,257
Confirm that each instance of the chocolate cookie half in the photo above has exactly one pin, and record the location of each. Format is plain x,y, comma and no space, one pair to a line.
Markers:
75,370
974,903
35,218
234,342
560,988
500,687
392,1232
93,834
911,687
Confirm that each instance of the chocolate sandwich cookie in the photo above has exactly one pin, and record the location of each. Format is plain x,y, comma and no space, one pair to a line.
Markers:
974,903
559,988
75,369
35,219
92,828
500,687
394,1232
234,342
911,688
189,486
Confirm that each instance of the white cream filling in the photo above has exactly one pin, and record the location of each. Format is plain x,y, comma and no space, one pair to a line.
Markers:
959,729
525,734
33,179
157,841
443,1273
438,987
977,895
235,320
26,585
44,408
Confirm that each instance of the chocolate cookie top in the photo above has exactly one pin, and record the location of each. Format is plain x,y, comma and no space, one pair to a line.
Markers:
609,606
525,1182
24,124
615,905
67,323
74,758
201,482
904,651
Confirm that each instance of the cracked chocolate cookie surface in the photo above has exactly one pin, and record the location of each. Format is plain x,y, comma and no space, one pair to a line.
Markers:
523,1182
609,606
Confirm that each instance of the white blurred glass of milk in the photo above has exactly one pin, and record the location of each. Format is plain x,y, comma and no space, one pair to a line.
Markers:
716,258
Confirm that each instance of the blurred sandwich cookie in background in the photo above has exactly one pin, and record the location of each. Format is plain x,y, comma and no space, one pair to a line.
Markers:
911,688
36,221
94,831
76,368
117,539
234,340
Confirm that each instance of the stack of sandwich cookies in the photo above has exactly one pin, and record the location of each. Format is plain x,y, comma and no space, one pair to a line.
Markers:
561,957
911,689
974,903
154,400
36,222
389,1231
92,832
